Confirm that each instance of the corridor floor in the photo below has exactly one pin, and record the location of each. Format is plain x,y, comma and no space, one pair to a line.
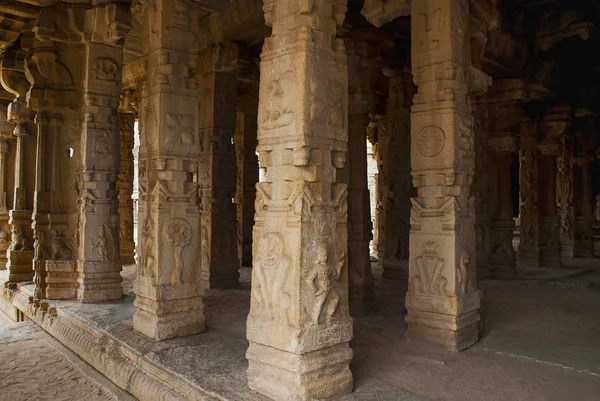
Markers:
36,367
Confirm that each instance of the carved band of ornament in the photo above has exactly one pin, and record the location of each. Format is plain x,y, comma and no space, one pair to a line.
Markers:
430,141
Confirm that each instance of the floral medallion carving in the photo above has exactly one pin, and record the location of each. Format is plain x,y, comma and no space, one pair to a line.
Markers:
430,141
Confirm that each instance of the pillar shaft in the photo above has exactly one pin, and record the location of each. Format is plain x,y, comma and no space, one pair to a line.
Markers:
359,214
247,177
169,285
528,196
299,325
583,210
99,264
564,195
396,165
125,188
220,263
550,250
442,300
503,258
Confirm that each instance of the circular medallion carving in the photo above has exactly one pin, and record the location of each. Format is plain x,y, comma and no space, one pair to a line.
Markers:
431,141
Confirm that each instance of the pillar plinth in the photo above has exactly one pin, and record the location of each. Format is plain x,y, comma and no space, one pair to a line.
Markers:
169,286
299,326
442,300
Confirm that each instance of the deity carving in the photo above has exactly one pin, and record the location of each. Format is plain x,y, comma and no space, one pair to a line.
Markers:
177,233
125,232
146,268
102,244
105,69
320,280
331,114
429,278
269,290
430,141
281,94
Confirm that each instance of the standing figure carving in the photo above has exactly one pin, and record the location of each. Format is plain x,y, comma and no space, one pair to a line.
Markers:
178,234
320,281
272,267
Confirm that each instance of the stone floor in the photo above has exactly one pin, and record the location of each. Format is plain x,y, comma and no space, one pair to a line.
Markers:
541,341
34,366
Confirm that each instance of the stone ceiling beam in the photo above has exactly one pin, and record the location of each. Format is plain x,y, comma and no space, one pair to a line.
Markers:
379,12
19,9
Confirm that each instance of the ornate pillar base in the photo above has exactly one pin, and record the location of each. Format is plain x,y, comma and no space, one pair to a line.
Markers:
302,370
98,284
61,279
550,250
451,322
179,314
19,265
20,253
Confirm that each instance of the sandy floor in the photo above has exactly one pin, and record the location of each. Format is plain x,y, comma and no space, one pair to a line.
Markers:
34,366
541,341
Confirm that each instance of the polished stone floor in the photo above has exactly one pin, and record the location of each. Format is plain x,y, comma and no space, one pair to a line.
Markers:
541,341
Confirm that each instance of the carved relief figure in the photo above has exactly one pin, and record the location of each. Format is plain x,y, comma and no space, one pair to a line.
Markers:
281,94
464,274
177,233
320,282
429,278
125,232
60,249
40,251
101,244
146,268
105,69
269,289
19,241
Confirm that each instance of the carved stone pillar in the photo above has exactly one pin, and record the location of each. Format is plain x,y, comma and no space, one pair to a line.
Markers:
20,252
299,325
396,164
550,250
442,300
564,196
384,133
217,86
6,171
596,230
482,188
583,207
528,196
503,258
169,285
247,167
359,216
125,186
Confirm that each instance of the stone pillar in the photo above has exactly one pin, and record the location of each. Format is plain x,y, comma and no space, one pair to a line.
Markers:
442,300
99,264
550,250
396,164
596,230
564,196
503,258
217,88
247,164
20,252
583,206
125,183
299,326
169,286
528,197
6,170
359,215
482,189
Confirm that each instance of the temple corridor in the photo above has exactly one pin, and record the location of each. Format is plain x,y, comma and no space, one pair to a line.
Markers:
300,200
